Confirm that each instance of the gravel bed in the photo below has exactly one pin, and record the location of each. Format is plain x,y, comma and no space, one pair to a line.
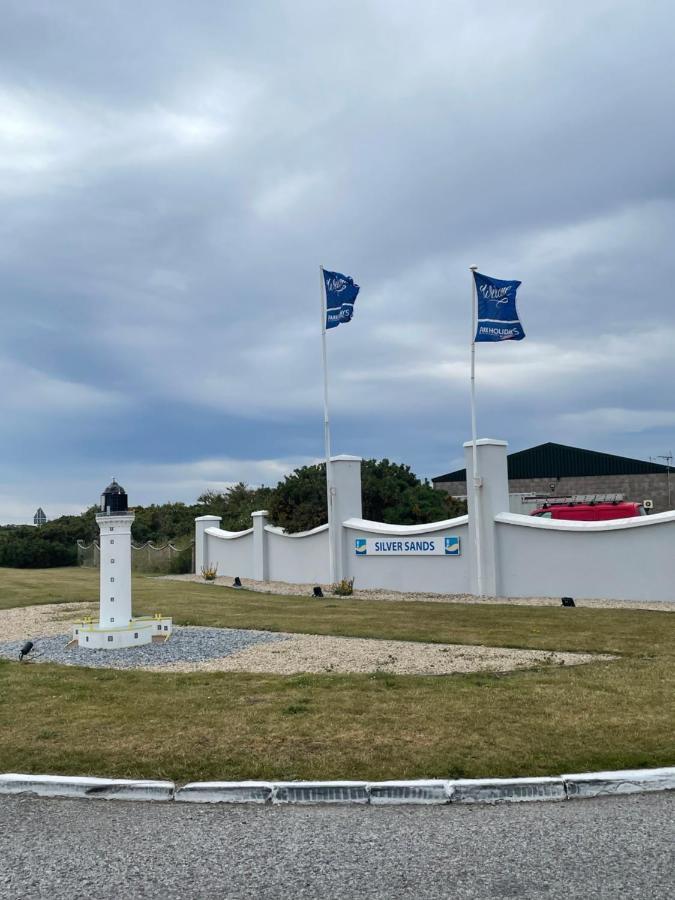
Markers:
190,646
319,654
200,649
25,623
283,587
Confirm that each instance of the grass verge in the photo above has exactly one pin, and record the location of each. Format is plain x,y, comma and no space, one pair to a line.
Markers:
136,724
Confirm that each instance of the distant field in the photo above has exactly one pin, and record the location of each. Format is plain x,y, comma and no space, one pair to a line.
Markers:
603,715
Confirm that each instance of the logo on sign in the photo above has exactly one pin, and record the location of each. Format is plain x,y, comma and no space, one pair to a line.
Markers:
452,546
361,546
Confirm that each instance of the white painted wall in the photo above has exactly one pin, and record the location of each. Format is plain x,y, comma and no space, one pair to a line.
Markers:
232,551
435,574
298,558
521,556
624,559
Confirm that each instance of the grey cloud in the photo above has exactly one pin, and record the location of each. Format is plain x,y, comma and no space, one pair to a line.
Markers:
173,175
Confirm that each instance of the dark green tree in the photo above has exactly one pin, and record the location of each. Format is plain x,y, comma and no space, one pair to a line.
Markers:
235,505
162,523
392,493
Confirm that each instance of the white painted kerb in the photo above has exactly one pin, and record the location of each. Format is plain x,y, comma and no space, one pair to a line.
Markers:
76,786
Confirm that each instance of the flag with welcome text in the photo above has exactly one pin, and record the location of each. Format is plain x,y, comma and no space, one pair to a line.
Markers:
497,314
341,293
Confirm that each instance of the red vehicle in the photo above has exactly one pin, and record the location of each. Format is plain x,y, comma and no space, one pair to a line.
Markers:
590,512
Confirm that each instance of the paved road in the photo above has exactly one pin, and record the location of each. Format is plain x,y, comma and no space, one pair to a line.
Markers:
619,847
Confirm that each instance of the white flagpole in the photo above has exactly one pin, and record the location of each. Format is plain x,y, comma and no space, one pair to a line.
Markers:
326,428
477,481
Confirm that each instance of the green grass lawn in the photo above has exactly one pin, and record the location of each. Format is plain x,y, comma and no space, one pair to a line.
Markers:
616,714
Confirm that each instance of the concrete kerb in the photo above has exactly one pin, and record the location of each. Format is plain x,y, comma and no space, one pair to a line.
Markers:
387,793
99,788
225,792
382,793
512,790
320,792
629,781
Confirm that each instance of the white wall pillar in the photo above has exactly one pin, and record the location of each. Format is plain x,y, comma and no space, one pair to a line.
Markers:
260,567
347,504
115,569
201,552
485,502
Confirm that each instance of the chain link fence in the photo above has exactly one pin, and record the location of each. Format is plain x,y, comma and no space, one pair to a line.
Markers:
168,559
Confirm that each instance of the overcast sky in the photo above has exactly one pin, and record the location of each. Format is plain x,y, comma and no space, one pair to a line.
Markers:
172,175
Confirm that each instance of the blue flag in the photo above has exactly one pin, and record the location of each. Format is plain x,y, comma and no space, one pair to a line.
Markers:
341,293
497,313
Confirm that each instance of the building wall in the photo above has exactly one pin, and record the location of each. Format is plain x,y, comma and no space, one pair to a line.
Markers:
634,487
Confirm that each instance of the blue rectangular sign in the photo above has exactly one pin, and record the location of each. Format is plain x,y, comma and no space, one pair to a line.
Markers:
407,546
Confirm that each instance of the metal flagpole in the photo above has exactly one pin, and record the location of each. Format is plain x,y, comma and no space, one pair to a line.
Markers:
326,428
477,481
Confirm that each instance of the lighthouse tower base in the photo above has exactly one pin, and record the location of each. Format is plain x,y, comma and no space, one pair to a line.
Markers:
143,630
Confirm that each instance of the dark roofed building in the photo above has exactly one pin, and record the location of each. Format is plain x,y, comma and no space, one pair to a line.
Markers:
40,518
559,470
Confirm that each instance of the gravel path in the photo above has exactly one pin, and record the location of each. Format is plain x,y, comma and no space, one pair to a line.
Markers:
317,654
282,587
29,622
198,649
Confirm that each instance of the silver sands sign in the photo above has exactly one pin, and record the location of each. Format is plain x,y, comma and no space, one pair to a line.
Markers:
436,546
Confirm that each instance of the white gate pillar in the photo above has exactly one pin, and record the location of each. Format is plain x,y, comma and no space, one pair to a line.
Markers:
346,477
201,553
485,502
260,567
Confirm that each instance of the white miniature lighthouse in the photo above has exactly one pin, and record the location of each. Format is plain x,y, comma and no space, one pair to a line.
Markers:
116,627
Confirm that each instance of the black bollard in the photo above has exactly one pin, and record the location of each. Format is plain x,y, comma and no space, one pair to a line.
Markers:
25,650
